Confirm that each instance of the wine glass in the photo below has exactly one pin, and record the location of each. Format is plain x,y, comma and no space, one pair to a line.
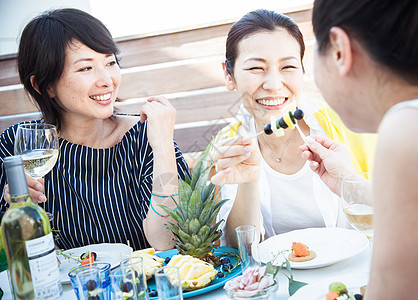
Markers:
38,145
357,201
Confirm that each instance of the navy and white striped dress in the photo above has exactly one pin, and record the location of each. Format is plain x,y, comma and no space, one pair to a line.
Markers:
98,195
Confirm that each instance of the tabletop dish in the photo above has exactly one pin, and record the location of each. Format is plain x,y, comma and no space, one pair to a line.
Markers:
217,283
106,252
330,244
318,291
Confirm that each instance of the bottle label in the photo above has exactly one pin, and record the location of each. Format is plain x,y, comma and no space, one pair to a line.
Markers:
43,266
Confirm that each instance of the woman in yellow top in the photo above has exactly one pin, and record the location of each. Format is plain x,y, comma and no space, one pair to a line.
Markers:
268,181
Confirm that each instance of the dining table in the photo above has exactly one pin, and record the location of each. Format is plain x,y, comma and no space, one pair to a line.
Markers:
358,264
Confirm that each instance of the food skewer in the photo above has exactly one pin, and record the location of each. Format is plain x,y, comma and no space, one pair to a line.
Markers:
288,120
302,135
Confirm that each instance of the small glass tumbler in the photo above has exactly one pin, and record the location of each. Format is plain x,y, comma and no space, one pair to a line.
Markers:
123,284
168,283
247,240
136,263
101,271
89,283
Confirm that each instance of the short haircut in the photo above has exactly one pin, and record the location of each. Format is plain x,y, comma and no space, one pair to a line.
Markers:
42,52
386,29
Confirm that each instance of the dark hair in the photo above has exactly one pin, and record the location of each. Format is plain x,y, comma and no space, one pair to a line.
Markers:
42,52
254,22
387,29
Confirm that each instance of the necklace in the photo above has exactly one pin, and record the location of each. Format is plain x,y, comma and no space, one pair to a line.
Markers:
279,159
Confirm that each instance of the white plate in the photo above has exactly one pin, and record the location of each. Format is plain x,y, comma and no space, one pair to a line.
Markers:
318,291
109,253
331,245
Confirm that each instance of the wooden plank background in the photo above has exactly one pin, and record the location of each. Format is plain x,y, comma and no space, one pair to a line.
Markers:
184,66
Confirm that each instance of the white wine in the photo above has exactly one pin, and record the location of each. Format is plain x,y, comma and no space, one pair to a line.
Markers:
28,241
39,162
360,217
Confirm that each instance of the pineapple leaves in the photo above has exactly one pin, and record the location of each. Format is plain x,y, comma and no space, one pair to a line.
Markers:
173,228
184,235
208,193
219,204
195,231
213,215
215,227
185,191
197,173
170,212
204,216
202,181
187,178
196,241
195,205
204,232
194,226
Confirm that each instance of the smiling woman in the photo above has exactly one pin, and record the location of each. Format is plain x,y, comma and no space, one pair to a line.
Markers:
271,184
101,187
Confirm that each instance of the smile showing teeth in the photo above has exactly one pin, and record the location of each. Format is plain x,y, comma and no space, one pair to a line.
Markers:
271,102
101,97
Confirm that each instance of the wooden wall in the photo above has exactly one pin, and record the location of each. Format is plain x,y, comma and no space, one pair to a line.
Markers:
185,66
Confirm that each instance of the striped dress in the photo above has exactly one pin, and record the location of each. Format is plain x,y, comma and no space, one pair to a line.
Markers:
97,195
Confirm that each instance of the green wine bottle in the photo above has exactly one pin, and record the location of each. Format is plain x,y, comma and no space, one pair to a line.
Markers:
28,241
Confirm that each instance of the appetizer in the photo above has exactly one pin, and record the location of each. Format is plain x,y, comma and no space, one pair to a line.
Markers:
87,258
250,283
338,291
301,253
288,120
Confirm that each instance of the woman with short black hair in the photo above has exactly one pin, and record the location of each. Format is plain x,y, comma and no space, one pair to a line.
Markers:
369,49
112,171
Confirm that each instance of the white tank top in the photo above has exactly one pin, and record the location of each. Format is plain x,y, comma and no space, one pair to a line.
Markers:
404,104
293,204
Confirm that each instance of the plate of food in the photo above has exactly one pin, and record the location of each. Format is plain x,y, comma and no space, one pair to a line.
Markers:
353,284
106,252
228,269
313,247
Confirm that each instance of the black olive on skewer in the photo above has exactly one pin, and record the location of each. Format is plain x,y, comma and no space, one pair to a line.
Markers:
126,287
267,129
91,285
298,114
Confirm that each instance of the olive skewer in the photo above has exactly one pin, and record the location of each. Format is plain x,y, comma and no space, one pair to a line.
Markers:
288,120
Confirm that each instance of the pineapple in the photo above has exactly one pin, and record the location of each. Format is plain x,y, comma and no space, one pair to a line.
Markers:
194,273
150,261
195,232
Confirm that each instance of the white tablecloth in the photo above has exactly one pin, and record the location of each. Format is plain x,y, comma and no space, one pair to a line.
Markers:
358,264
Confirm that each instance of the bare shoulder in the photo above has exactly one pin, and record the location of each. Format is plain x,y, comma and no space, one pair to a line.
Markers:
398,133
396,158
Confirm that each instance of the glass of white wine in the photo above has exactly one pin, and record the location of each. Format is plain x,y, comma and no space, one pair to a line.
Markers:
38,145
357,201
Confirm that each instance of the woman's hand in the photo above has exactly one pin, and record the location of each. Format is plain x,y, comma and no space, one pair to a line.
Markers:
36,190
237,160
161,116
329,159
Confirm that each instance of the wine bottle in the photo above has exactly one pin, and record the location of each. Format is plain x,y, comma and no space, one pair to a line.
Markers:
28,241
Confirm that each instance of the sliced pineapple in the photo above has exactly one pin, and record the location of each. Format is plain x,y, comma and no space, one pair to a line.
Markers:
194,273
150,261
